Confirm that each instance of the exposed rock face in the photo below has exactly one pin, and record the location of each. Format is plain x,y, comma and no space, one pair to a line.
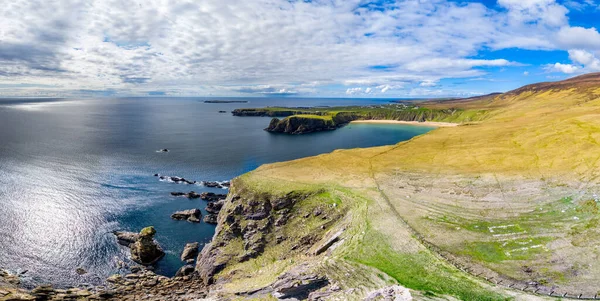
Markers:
300,125
146,250
215,207
212,197
298,283
185,270
210,219
191,215
392,293
189,251
252,218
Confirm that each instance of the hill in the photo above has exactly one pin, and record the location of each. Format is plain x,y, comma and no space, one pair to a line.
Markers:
511,199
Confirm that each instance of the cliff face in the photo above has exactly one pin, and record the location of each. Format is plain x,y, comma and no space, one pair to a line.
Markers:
301,125
252,222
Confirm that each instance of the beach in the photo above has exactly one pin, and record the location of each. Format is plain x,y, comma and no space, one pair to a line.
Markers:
424,123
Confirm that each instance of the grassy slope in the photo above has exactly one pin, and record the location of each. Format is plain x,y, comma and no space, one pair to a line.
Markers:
386,112
537,148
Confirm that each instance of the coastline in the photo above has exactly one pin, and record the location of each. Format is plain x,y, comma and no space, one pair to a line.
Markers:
423,123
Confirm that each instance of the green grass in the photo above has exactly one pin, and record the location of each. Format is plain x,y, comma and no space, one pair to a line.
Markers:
421,271
384,112
323,117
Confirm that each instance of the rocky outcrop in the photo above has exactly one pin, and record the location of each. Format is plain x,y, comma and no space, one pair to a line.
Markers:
190,251
212,197
298,283
126,238
191,215
395,293
189,195
185,270
257,220
300,125
145,250
210,219
215,207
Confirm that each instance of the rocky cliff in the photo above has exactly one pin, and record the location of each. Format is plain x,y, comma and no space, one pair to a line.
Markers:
300,124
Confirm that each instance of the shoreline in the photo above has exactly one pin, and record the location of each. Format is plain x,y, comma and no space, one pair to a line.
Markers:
424,123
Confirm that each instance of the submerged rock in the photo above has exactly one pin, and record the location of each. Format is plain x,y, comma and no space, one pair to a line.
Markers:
146,250
191,215
190,251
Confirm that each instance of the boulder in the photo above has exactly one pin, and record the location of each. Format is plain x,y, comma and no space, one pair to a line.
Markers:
210,219
126,238
185,270
191,215
190,251
146,250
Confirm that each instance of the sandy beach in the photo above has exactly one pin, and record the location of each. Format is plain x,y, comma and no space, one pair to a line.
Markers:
424,123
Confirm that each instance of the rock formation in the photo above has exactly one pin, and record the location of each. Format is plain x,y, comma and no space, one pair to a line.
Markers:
215,207
212,197
191,215
126,238
190,251
145,250
210,219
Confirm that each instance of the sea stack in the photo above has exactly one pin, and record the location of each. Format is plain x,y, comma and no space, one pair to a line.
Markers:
146,250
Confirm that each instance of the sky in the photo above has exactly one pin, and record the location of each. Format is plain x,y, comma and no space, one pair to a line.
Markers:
318,48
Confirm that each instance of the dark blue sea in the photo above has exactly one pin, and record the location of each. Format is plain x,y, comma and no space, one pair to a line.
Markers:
73,171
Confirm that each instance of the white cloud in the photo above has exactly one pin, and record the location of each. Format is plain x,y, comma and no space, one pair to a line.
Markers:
564,68
428,83
579,37
582,61
269,47
526,73
354,91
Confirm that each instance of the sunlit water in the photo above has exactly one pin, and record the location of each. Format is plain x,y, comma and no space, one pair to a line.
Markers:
71,172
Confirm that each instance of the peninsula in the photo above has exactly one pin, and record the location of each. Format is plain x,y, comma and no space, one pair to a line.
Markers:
307,120
503,207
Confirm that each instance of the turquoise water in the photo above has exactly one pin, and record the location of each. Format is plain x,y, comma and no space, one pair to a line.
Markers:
71,172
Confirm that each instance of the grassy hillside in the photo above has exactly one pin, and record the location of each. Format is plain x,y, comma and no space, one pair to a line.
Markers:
511,199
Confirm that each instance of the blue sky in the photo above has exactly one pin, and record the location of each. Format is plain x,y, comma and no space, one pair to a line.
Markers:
319,48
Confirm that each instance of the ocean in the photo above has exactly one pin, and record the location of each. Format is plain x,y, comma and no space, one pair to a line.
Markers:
73,171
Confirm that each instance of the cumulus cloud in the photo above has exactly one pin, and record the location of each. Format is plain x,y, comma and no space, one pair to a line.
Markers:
268,47
354,91
579,37
564,68
582,61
